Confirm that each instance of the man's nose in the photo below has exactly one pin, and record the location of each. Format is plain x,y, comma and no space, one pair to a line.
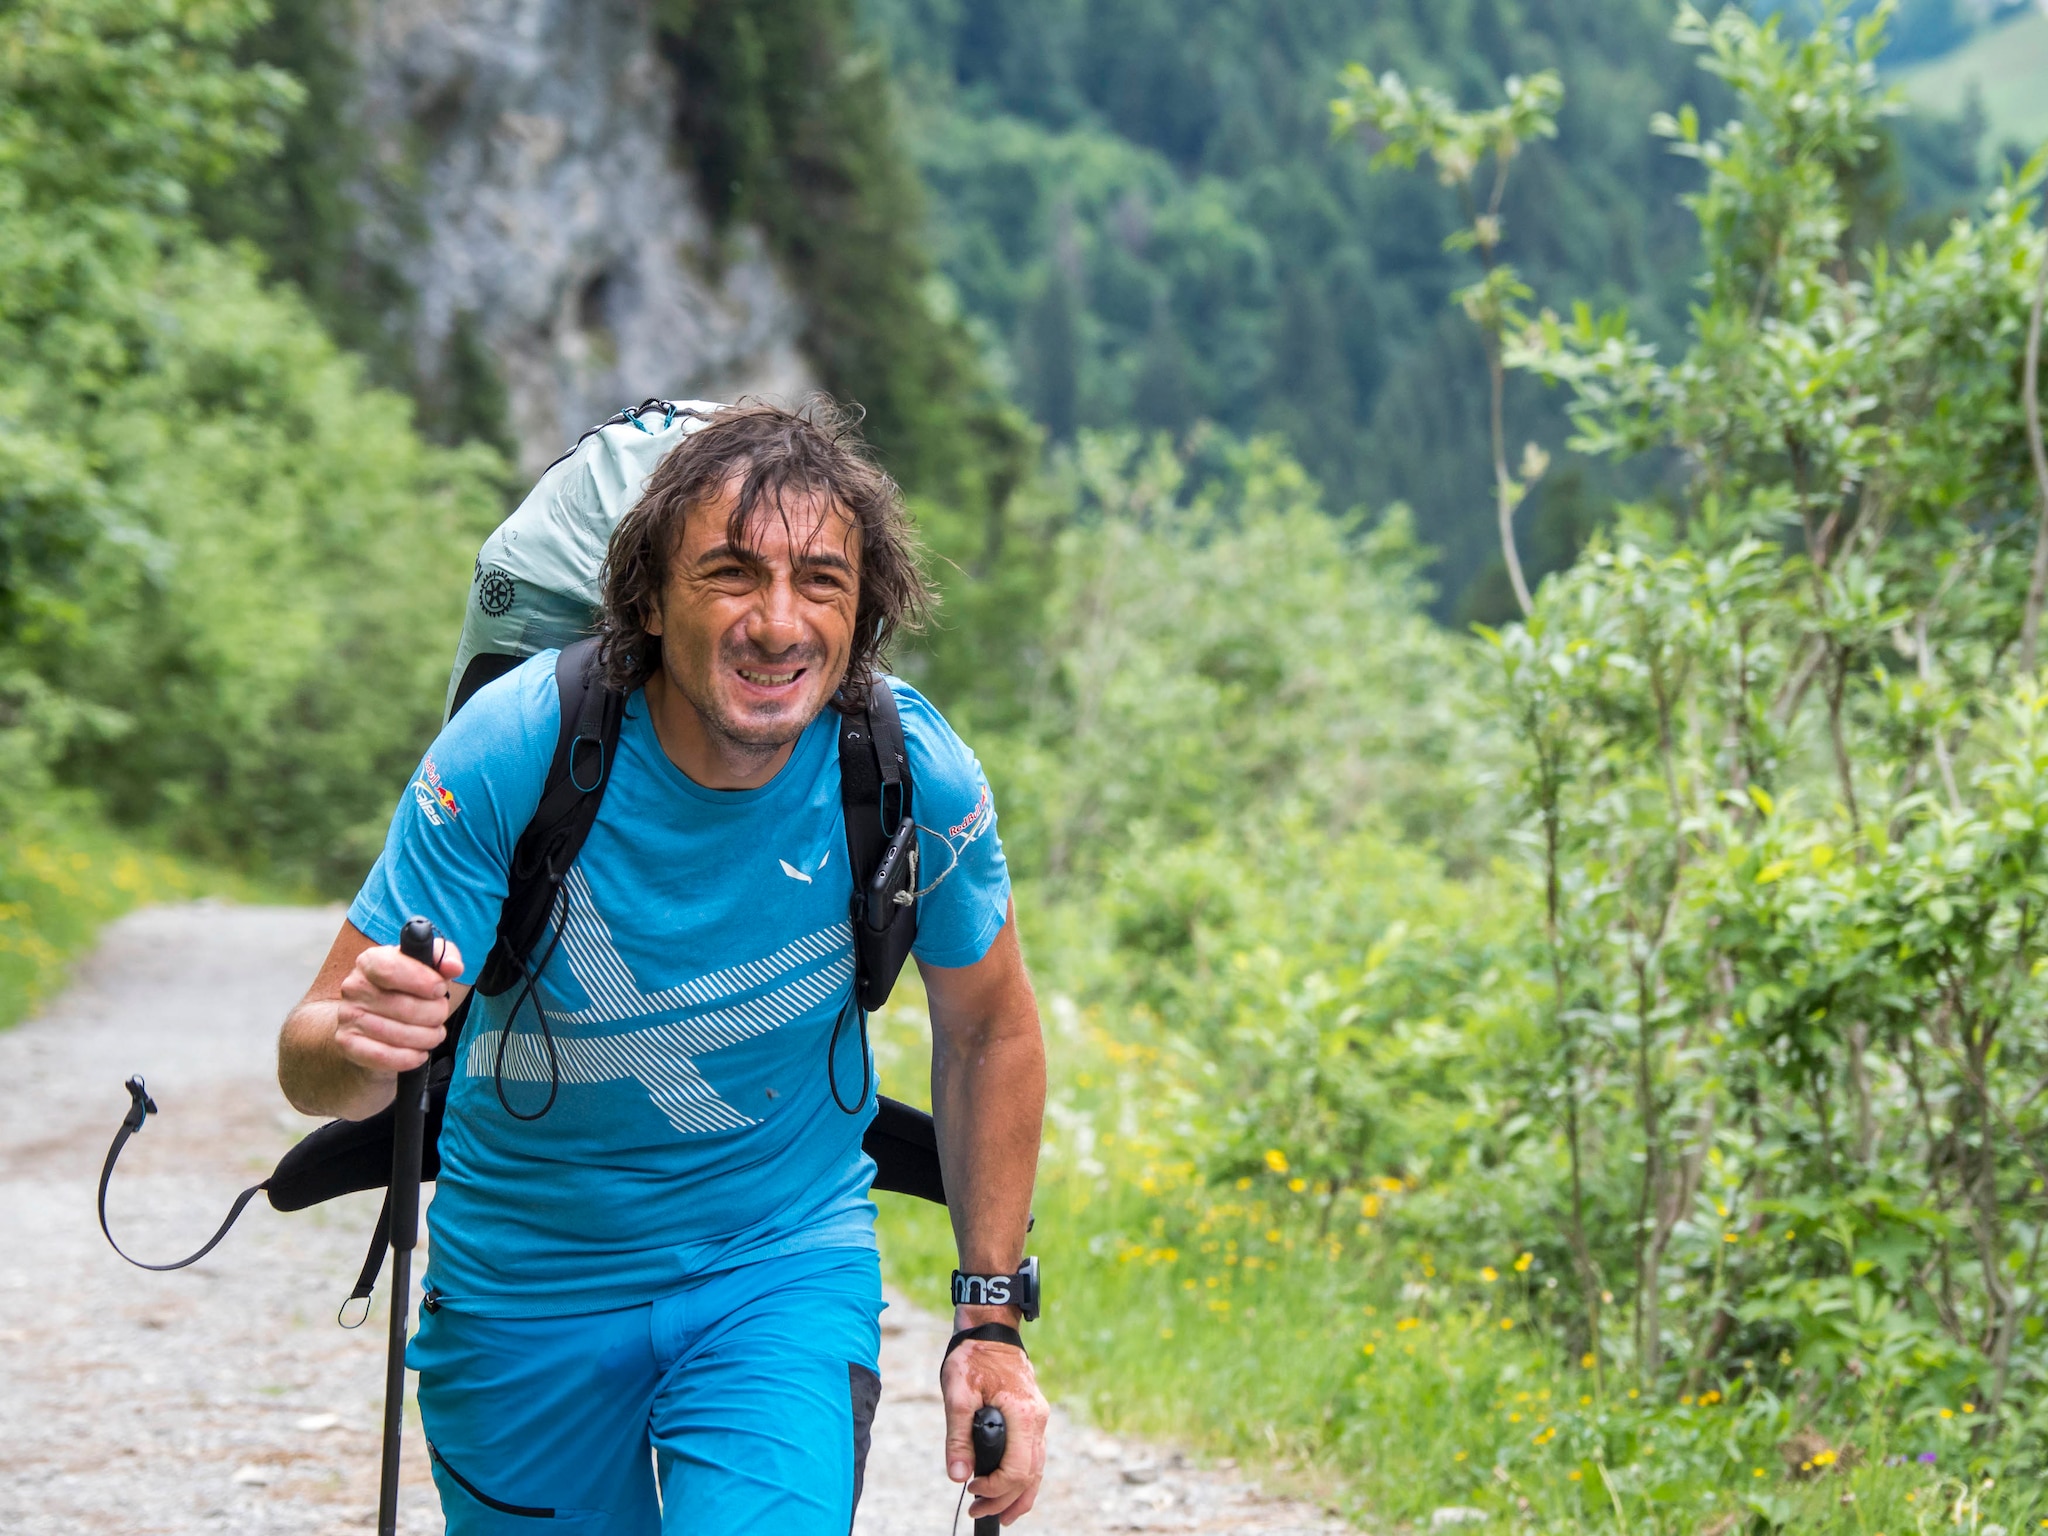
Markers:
775,624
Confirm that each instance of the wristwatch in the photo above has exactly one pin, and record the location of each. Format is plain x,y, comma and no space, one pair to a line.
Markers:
1018,1290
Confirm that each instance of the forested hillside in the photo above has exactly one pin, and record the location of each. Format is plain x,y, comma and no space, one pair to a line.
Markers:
1140,204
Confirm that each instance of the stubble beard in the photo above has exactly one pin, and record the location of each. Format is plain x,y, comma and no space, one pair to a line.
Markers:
751,740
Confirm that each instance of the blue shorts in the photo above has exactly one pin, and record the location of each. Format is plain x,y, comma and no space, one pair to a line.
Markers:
742,1403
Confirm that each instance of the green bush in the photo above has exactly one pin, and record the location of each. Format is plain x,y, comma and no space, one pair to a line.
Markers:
233,571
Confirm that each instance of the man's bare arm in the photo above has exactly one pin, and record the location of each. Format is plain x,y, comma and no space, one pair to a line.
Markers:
988,1096
369,1015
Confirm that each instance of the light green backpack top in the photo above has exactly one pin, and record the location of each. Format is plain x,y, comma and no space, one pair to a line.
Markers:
538,577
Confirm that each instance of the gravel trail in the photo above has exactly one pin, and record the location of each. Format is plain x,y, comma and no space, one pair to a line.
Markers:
223,1398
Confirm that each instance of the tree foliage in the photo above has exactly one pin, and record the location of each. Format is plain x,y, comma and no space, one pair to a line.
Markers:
229,574
1157,177
1727,1019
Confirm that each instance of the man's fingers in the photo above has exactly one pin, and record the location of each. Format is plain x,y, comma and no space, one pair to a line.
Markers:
394,1011
376,1056
1012,1488
960,1406
404,1008
992,1373
352,1019
385,968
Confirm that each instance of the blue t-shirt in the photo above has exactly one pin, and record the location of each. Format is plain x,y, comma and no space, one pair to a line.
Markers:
703,961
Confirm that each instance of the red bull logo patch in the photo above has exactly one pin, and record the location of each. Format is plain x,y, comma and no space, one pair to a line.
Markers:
975,822
433,797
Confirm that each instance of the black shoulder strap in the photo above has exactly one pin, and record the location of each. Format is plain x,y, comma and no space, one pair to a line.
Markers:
592,717
875,794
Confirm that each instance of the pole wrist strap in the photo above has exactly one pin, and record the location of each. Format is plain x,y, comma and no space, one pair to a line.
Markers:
985,1333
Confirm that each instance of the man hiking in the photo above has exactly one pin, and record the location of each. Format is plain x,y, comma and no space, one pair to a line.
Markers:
652,1229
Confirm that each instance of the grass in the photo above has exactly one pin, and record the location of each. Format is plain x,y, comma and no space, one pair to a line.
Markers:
64,873
1338,1361
2007,66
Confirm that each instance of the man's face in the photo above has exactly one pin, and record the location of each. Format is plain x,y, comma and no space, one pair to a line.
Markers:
756,635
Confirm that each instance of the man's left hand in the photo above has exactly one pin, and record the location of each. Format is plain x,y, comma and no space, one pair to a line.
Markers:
981,1372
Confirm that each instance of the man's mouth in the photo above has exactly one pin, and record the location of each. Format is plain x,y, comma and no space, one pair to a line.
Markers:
762,678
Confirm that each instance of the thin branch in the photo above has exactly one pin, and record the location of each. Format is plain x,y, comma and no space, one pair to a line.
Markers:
1504,488
1941,758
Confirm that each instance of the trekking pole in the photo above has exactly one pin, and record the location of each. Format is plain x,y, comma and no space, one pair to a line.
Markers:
991,1438
416,941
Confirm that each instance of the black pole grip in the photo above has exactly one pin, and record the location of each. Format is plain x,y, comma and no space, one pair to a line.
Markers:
991,1438
417,940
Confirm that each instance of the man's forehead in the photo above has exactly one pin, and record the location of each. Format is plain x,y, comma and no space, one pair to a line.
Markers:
797,523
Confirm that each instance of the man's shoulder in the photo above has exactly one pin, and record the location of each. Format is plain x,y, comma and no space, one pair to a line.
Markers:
943,767
926,732
514,716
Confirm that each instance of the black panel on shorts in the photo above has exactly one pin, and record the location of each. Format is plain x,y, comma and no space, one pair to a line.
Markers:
864,1388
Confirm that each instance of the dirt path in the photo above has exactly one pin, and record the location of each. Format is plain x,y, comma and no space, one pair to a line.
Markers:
222,1398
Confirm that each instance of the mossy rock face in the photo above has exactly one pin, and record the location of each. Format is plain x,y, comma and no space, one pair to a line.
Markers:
532,214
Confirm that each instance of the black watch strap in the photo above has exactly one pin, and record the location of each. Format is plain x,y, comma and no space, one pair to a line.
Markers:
986,1333
1019,1290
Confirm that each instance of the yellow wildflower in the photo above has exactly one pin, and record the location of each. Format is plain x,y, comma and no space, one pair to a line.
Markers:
1522,1264
1276,1159
1489,1274
1506,1323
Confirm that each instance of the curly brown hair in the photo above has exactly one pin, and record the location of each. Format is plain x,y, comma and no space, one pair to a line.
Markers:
813,450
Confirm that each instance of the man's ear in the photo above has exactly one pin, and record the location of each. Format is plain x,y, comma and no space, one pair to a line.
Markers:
650,620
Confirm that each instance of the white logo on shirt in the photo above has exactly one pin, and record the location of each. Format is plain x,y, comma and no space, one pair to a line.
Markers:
793,872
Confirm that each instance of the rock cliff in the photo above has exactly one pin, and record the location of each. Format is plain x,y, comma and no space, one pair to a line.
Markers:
527,189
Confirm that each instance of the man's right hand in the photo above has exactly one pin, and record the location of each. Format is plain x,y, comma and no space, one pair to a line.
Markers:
370,1014
394,1011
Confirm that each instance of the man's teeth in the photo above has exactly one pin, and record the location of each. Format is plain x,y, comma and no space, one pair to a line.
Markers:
767,679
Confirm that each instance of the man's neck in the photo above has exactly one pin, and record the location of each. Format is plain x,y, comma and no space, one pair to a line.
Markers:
706,754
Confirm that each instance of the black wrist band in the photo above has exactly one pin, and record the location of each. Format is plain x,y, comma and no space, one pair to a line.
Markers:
987,1333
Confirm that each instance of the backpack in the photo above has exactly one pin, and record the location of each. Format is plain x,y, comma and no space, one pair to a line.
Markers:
535,588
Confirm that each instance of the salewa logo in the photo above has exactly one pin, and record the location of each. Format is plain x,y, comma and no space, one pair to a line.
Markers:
794,873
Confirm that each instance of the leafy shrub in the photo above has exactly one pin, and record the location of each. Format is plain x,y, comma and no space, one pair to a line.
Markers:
235,570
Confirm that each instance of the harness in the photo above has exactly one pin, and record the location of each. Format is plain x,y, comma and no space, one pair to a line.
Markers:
875,789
